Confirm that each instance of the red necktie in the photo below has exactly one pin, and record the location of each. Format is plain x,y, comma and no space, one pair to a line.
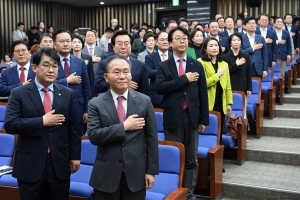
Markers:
181,72
91,51
47,104
120,109
22,75
66,67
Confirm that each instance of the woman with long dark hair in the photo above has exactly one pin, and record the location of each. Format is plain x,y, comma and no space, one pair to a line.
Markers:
195,43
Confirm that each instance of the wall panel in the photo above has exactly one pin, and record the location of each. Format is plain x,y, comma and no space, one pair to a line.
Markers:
271,7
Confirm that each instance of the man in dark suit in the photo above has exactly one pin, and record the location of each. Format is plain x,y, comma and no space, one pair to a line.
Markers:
91,49
121,42
270,38
73,73
182,81
229,23
122,124
18,75
213,32
256,47
293,29
43,114
152,60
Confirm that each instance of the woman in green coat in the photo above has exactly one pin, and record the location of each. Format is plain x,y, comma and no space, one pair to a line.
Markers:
195,43
217,78
137,42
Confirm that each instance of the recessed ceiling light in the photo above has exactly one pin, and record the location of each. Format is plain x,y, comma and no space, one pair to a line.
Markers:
101,2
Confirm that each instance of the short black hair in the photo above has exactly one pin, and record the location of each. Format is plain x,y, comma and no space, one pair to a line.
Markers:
199,24
262,14
141,30
114,57
34,28
277,19
109,30
248,19
38,24
47,51
45,35
228,17
94,29
20,24
121,32
75,27
204,55
237,35
79,38
144,24
194,21
219,19
117,27
136,27
90,30
183,20
178,28
158,34
14,44
58,31
212,21
288,15
48,27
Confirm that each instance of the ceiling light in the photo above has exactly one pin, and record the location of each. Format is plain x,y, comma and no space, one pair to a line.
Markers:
101,2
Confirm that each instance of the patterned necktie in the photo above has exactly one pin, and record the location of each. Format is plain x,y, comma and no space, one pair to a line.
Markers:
120,109
163,57
91,51
22,75
66,67
181,72
47,105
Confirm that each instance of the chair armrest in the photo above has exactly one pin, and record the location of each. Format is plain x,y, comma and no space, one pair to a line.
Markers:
259,116
2,131
178,194
215,150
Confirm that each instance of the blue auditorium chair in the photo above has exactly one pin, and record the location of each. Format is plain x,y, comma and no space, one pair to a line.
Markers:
168,184
79,186
238,145
288,77
255,107
210,159
278,82
159,123
2,115
268,94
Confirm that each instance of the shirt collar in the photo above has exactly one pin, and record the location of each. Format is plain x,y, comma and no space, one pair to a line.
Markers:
25,66
40,86
88,47
177,58
115,95
159,52
250,36
263,30
62,57
289,25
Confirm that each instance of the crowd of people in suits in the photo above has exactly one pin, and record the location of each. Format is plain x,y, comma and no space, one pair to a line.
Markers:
187,68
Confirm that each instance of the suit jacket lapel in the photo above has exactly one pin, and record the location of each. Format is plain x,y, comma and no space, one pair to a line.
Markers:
72,64
111,107
35,97
57,96
31,74
157,58
131,103
133,66
189,65
85,51
173,66
15,74
61,71
246,40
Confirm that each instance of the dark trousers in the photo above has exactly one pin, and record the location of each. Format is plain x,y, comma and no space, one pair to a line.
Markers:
188,136
254,72
122,193
48,187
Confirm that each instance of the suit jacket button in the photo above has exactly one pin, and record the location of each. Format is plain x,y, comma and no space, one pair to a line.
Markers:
120,161
46,149
123,144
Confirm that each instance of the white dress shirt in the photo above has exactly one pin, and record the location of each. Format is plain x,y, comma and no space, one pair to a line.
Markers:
263,33
160,55
61,58
124,102
25,71
279,35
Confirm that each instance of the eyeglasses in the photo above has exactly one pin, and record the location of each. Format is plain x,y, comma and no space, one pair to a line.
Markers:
120,44
178,39
64,41
20,51
48,67
162,39
118,73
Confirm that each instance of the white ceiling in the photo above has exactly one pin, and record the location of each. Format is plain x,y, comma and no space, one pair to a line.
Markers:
96,3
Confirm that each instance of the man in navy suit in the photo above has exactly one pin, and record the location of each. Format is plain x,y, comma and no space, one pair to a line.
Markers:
292,29
121,42
256,47
21,74
213,31
270,38
152,60
43,114
284,43
73,73
229,23
182,81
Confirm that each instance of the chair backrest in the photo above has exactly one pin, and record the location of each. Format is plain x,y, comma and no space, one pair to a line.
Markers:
160,127
256,91
171,167
88,156
268,81
238,106
7,146
2,115
211,136
276,68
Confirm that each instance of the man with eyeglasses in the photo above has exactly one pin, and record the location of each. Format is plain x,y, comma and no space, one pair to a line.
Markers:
123,126
182,82
46,41
21,74
73,73
43,114
121,42
152,60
